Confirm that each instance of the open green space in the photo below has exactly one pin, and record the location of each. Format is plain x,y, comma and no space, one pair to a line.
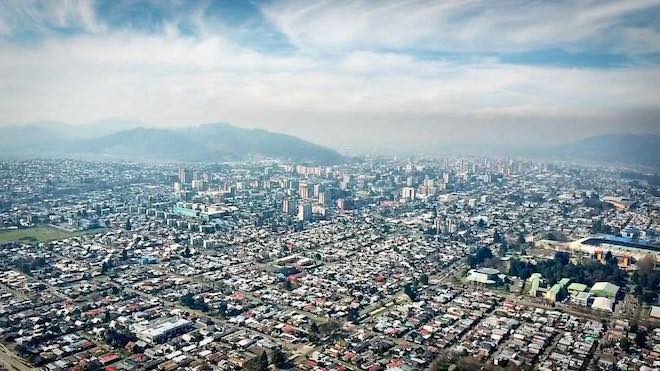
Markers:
35,235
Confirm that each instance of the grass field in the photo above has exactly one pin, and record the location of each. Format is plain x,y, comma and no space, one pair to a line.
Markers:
35,235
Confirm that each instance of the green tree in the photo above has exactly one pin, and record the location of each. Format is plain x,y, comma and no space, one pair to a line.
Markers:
278,357
263,361
624,344
410,290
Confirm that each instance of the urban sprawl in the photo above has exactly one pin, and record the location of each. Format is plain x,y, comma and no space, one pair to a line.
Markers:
375,264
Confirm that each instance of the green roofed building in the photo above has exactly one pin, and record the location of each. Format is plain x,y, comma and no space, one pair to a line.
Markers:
604,290
535,282
552,294
576,288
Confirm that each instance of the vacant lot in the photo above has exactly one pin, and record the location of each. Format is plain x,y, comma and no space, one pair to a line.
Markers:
34,235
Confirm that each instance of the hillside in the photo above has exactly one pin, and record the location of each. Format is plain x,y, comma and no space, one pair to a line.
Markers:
210,142
628,149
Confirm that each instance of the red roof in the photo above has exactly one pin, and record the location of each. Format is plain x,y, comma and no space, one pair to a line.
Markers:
109,358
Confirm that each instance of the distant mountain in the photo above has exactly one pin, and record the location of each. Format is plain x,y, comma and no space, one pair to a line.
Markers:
210,142
628,149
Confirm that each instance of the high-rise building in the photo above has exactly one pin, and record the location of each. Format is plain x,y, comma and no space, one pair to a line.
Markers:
318,188
450,226
322,198
185,176
303,191
305,212
439,224
198,185
408,193
288,206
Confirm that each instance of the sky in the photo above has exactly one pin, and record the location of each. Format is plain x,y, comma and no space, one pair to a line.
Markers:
349,74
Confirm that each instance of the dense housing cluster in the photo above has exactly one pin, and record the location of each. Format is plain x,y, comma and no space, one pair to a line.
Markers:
369,265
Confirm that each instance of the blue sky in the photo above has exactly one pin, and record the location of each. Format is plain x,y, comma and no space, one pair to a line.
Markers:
512,72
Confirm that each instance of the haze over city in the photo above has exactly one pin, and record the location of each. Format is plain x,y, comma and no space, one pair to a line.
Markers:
419,73
329,185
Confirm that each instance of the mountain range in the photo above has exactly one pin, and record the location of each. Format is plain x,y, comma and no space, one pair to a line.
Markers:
641,150
221,142
208,142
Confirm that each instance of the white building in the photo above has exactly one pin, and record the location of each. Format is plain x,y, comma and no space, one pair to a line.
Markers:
160,330
305,212
408,193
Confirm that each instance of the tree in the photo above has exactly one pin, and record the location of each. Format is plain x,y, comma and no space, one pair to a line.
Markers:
222,308
610,259
624,344
522,270
314,328
263,361
92,365
192,302
353,315
105,267
424,279
278,357
481,254
562,258
118,339
640,338
497,238
330,327
411,291
646,264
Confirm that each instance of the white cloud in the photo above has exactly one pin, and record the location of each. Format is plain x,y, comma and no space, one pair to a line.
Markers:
176,80
342,95
456,26
40,16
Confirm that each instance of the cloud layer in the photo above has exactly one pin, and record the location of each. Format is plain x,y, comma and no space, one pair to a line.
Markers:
337,72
